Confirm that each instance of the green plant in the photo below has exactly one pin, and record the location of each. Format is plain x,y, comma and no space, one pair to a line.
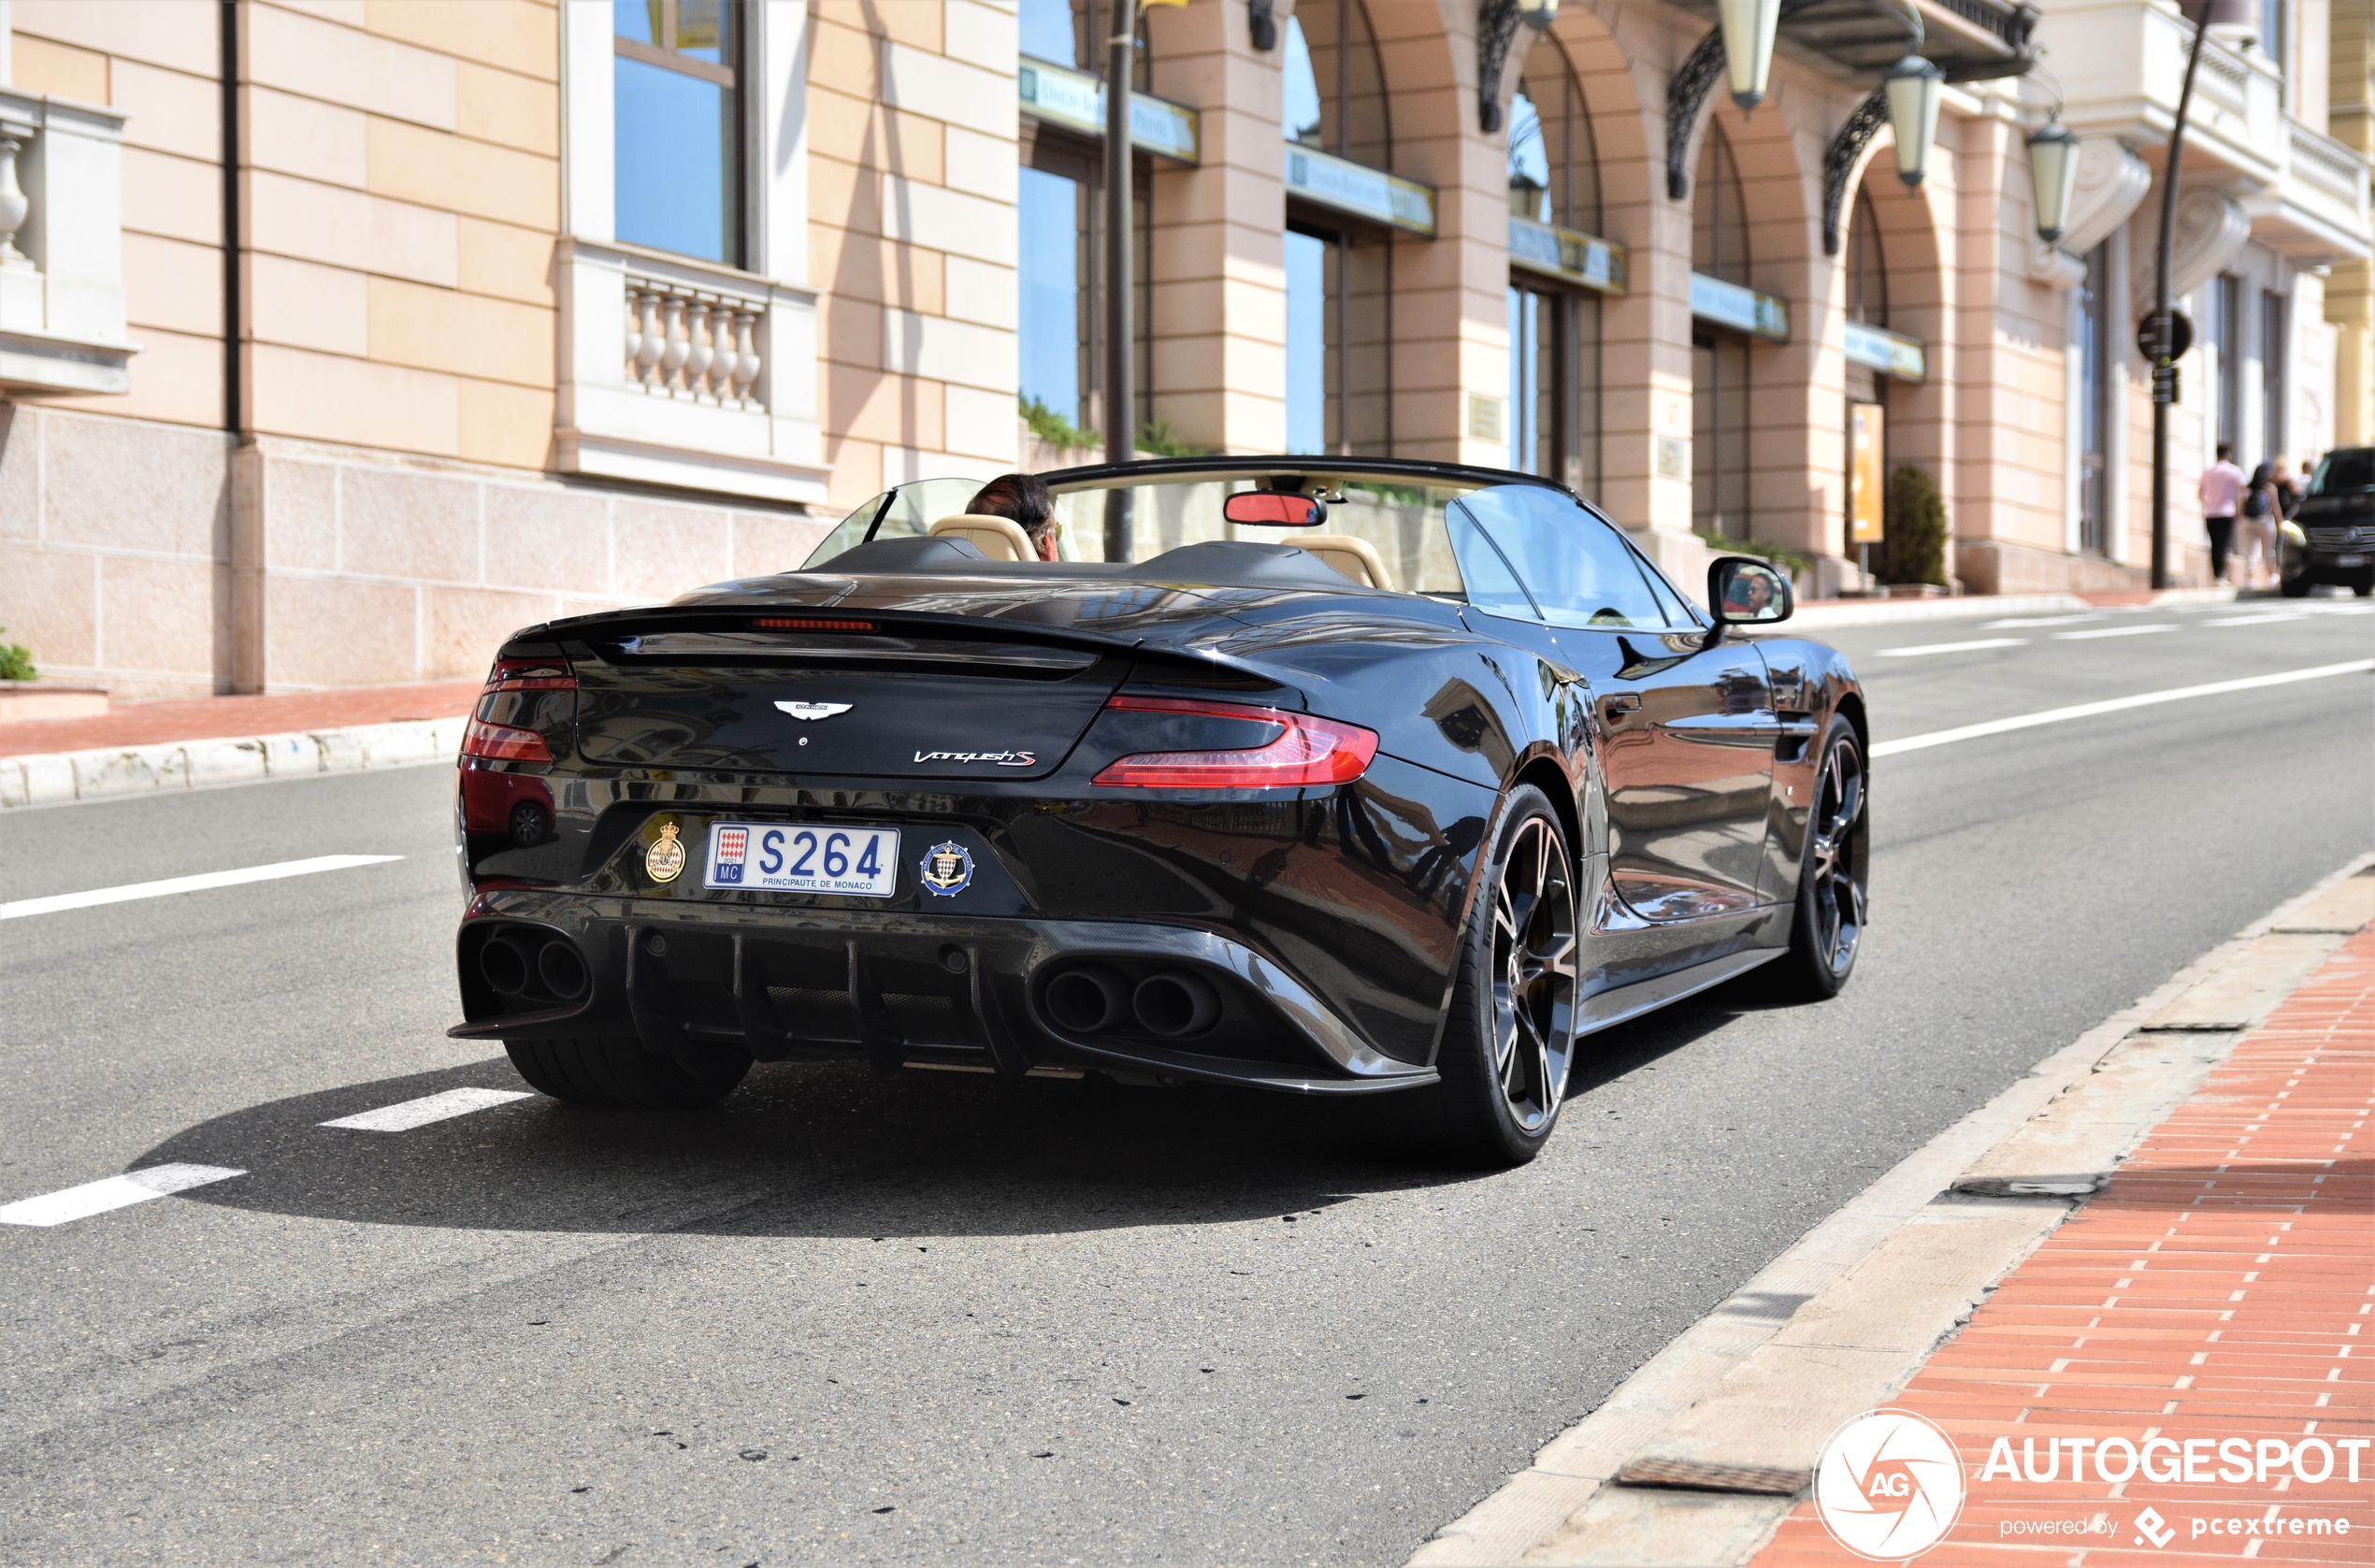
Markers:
1796,562
1053,427
1914,539
1155,436
15,661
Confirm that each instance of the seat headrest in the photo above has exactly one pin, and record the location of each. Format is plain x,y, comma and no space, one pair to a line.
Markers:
1355,558
998,539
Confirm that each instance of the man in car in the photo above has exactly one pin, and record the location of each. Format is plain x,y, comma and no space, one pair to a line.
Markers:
1749,594
1023,499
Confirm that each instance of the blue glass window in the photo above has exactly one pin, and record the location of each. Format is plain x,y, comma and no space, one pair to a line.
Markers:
1306,342
678,128
1050,262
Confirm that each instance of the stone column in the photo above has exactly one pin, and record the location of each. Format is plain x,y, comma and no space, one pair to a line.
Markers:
1217,322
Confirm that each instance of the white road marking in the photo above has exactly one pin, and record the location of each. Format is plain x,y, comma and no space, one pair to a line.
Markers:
2038,620
113,1192
2089,709
2260,620
204,879
409,1114
1955,647
2113,631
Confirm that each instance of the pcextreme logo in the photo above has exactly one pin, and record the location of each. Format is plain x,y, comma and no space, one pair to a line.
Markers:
1889,1485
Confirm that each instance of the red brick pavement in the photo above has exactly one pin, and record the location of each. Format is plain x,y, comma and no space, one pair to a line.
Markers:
207,718
2221,1287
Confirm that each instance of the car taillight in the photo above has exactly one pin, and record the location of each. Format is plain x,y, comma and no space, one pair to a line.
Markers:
1305,751
503,743
803,623
507,742
530,675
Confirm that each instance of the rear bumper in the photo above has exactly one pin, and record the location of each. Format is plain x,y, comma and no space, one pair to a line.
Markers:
897,988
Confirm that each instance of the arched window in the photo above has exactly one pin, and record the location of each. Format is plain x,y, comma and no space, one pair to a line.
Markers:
1719,471
1336,86
1868,268
1554,330
1339,273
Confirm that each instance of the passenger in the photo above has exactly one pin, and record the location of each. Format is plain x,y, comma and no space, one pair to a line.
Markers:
1022,498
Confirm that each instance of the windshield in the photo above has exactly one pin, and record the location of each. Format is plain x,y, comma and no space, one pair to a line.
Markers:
1396,531
2345,472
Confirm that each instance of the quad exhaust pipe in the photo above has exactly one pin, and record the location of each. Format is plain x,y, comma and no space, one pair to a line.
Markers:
514,964
1091,998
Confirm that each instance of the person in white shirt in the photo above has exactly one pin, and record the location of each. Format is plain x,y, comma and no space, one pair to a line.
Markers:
2222,490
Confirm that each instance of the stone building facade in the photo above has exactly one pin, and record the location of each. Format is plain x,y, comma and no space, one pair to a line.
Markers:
338,338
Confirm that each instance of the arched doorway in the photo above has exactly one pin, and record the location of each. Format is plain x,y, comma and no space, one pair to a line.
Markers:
1339,271
1866,279
1720,503
1554,330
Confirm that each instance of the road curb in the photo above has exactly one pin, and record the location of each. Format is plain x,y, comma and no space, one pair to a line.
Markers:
1726,1421
118,772
1815,617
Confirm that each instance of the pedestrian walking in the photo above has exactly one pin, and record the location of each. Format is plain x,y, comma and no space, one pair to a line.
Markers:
2222,489
2255,528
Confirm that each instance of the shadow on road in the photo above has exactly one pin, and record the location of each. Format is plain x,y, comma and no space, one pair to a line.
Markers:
831,1149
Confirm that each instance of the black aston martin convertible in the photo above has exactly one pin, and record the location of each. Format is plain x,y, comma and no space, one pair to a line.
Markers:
1331,775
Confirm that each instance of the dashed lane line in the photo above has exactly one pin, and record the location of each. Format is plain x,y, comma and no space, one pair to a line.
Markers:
2117,704
2113,631
2038,620
60,902
112,1192
2262,619
1972,646
409,1114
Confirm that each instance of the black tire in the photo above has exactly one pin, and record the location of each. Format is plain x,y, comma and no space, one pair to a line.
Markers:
2363,585
2296,586
615,1069
1827,930
1510,1034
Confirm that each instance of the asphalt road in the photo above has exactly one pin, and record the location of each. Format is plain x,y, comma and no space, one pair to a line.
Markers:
927,1319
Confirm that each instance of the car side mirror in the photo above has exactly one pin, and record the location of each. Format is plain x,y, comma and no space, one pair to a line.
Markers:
1743,591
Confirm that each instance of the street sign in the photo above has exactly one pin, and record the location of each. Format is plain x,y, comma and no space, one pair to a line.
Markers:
2164,384
2181,335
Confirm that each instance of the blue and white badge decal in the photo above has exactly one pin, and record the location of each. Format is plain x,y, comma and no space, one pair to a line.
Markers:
948,869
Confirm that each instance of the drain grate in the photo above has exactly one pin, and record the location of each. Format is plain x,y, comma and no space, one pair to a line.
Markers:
1699,1475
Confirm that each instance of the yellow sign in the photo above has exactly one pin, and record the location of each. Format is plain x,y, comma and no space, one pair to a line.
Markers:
1868,471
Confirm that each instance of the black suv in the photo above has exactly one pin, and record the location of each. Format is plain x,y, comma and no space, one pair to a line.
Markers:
2332,538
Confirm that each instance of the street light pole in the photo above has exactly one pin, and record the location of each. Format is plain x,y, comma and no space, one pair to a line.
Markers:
1121,395
2164,339
2225,13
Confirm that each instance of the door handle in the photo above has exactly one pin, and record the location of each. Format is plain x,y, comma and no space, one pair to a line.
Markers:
1618,703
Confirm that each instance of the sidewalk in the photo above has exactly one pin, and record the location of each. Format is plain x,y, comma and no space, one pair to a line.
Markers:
2219,1287
142,747
2161,1237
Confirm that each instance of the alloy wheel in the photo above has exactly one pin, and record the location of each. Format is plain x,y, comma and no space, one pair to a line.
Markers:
1534,974
1833,864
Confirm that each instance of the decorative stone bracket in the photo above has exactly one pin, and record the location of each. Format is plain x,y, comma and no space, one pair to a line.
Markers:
2211,229
62,311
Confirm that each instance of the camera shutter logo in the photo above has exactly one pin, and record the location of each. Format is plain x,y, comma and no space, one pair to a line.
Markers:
1889,1485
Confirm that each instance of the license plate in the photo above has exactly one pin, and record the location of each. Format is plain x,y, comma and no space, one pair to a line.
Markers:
2350,560
791,857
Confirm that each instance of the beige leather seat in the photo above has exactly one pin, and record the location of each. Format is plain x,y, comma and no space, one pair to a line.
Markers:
1357,558
998,539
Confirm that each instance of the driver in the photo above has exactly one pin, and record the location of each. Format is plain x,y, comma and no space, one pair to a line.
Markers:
1749,594
1022,498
